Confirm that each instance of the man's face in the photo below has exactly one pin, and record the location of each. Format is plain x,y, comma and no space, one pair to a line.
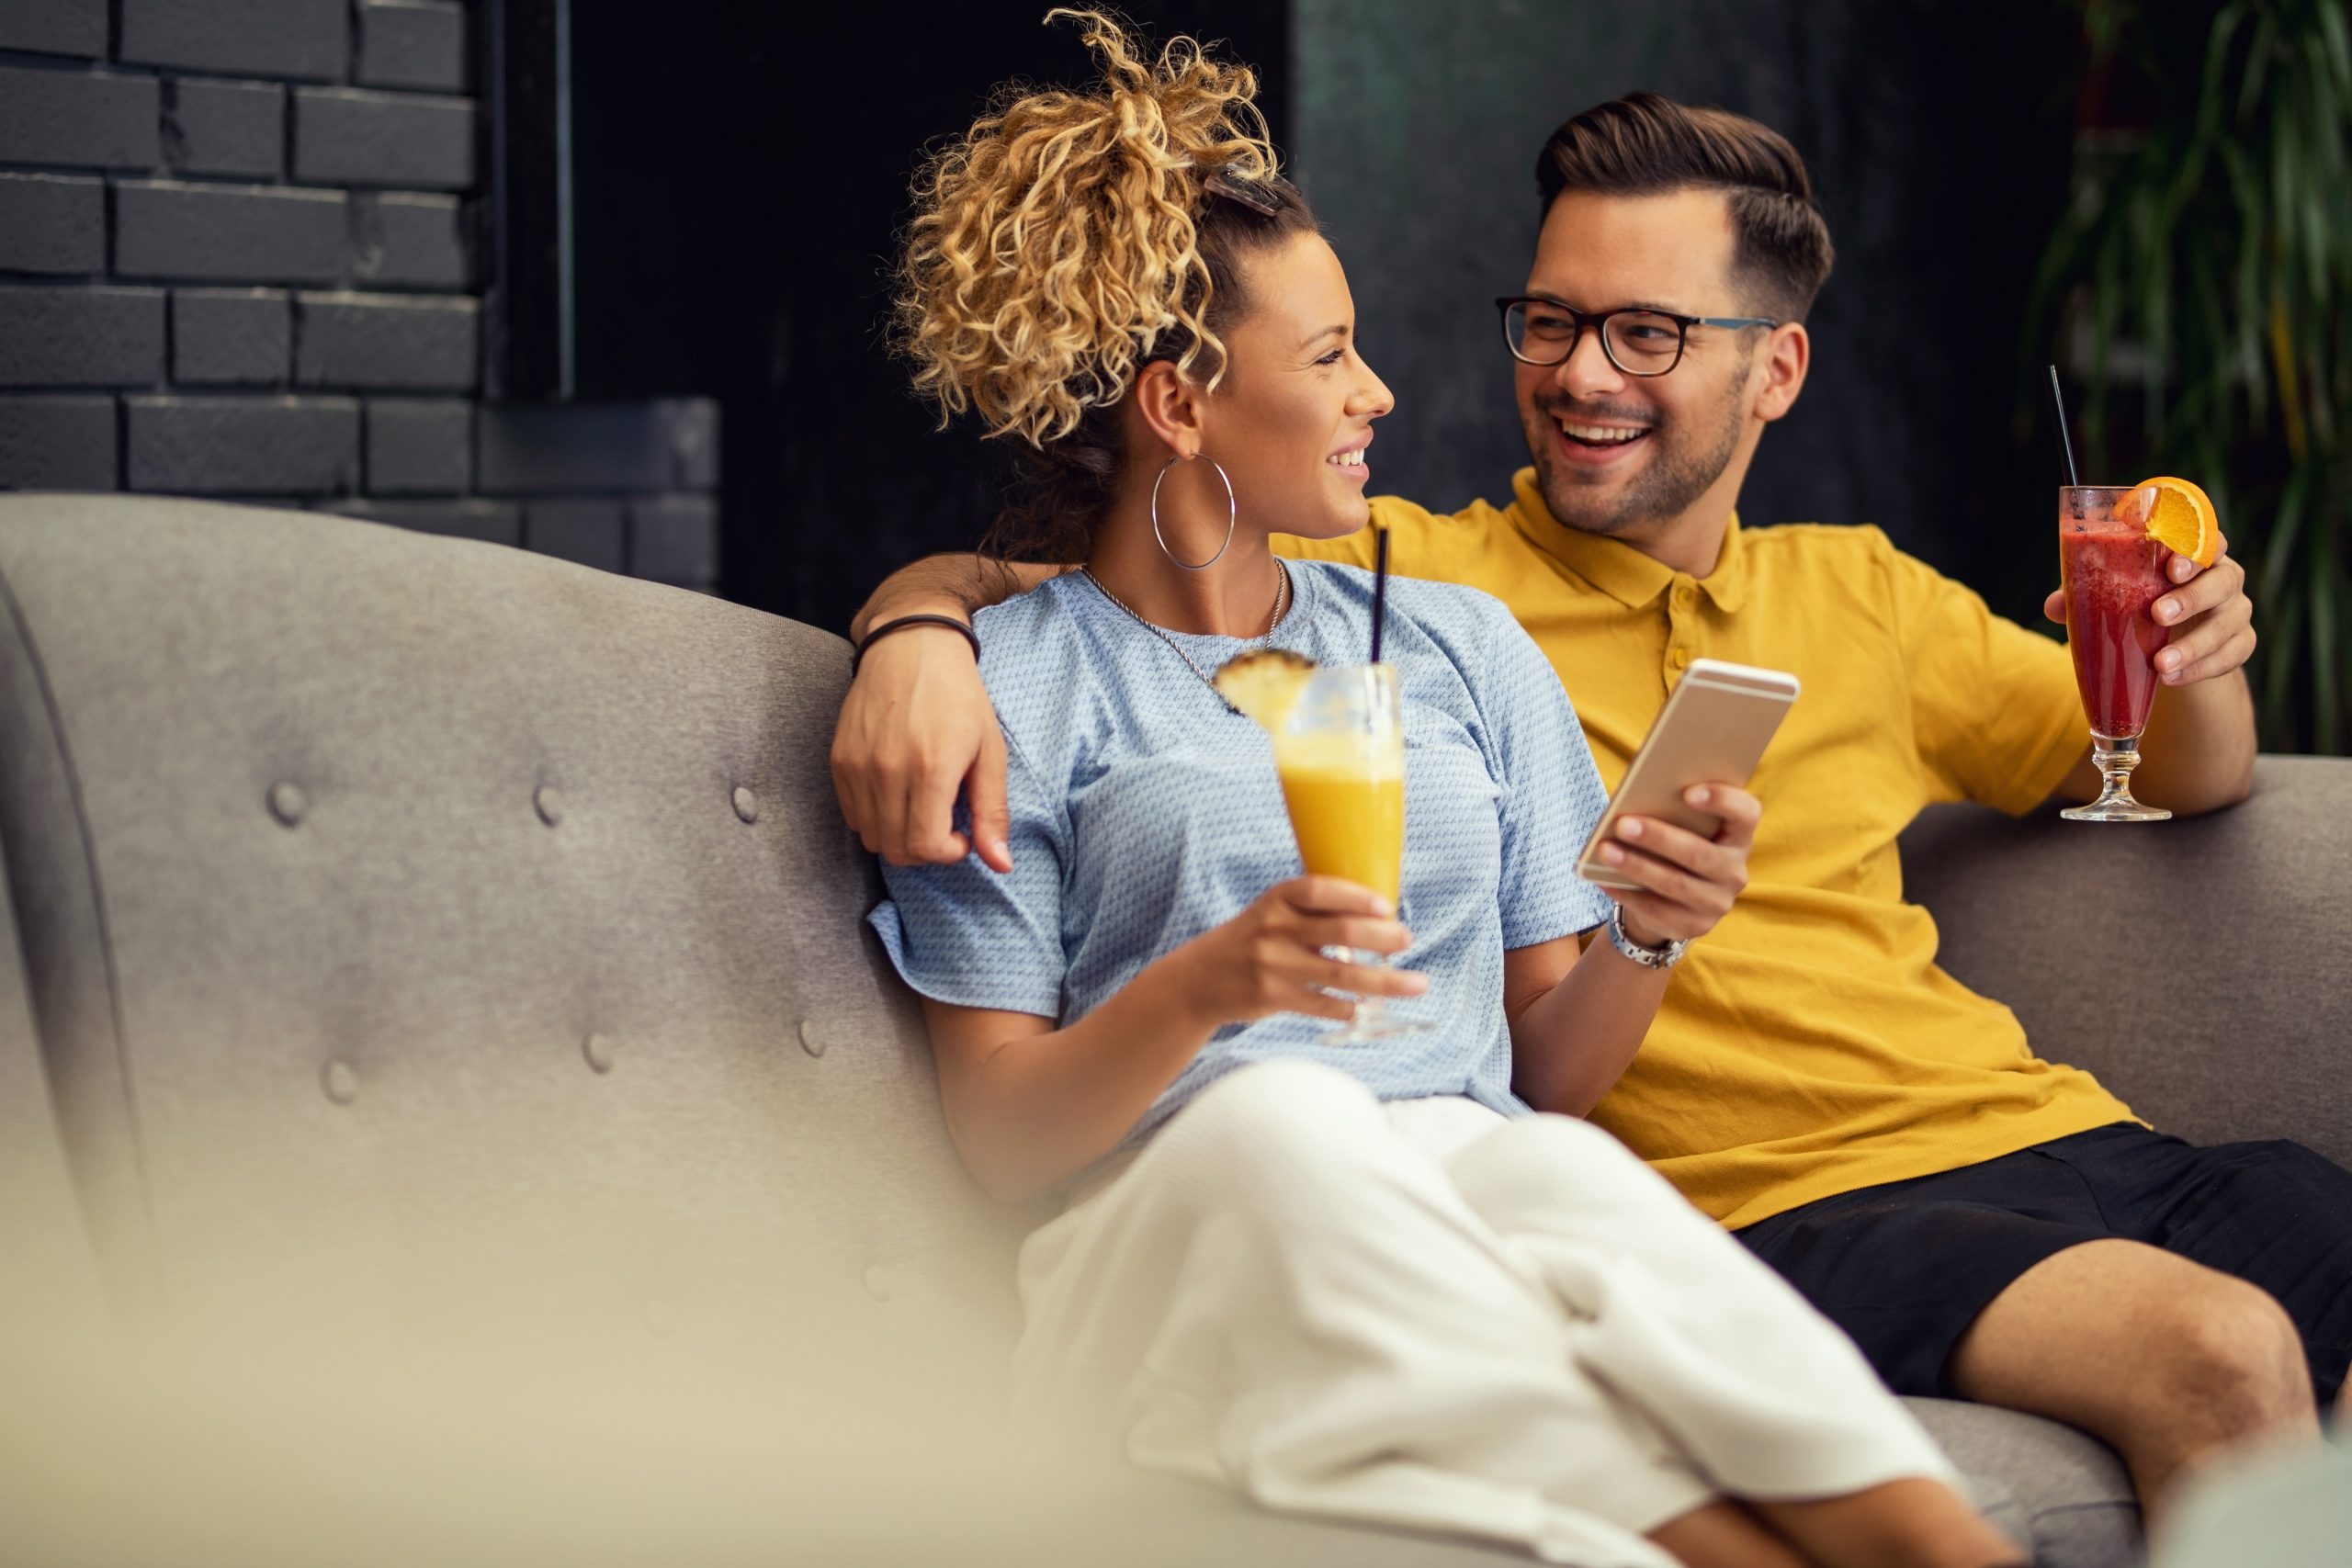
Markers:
1618,454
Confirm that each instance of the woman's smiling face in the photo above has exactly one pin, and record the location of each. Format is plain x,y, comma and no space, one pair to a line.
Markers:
1292,419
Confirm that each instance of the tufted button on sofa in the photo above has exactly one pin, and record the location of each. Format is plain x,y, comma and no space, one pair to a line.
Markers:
410,937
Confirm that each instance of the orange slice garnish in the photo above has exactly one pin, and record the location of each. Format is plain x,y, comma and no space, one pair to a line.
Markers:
2179,516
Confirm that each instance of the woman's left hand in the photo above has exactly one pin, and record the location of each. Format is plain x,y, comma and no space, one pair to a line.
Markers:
1689,881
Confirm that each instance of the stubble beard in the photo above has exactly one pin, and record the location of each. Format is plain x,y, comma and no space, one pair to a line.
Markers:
1684,467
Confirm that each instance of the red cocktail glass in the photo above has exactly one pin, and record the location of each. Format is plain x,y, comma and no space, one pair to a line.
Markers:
2113,573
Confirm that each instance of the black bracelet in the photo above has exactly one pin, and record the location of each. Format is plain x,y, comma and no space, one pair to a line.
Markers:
876,635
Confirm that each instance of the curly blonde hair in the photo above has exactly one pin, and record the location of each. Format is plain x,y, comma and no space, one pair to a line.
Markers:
1068,238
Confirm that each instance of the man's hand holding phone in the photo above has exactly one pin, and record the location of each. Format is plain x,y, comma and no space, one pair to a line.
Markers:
1673,845
1686,883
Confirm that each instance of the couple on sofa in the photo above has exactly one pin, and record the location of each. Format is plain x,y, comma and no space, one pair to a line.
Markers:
1490,1276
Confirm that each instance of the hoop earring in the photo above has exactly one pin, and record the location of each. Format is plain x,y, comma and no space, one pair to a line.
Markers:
1232,515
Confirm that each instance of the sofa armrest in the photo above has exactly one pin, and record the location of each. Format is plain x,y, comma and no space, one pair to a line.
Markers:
52,1275
2202,967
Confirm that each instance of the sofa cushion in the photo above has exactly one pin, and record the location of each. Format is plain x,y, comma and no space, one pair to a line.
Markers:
2062,1494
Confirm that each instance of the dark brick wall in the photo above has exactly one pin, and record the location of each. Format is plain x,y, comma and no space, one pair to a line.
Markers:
238,257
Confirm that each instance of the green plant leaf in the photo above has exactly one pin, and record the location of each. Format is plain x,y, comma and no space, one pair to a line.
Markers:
2327,682
2219,242
2332,28
2216,55
2247,228
2282,651
2286,526
2257,65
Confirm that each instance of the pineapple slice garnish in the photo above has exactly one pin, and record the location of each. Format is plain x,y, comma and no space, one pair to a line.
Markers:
1264,684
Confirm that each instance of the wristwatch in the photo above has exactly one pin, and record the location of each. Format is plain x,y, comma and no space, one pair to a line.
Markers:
1662,957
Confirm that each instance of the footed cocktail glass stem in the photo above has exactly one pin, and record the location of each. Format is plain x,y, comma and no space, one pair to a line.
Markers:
2115,757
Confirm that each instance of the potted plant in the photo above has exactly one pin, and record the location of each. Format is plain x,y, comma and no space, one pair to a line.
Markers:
2202,283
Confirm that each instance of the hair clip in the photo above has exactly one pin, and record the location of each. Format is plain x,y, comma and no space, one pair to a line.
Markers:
1249,192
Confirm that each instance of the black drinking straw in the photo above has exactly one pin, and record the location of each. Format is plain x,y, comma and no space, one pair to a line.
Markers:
1379,586
2065,445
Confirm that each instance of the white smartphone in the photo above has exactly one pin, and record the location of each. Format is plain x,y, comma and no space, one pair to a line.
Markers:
1713,729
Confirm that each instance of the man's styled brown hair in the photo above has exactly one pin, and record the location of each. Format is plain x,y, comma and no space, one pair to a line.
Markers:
1647,144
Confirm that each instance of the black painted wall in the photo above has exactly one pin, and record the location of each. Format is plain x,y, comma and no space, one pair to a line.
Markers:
1939,142
247,257
835,474
1937,131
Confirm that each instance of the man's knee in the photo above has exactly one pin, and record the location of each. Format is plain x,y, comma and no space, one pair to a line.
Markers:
2140,1345
2225,1353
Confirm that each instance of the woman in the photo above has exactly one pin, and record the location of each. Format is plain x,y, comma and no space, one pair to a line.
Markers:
1359,1281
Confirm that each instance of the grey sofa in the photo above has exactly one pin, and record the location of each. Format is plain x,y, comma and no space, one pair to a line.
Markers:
408,935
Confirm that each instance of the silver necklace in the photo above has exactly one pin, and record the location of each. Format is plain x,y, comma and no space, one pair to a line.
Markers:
1282,608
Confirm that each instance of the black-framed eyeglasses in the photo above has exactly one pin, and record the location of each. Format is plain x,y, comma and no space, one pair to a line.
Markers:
1638,341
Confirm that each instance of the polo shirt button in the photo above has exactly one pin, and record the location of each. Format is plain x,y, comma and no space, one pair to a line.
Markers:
287,802
1684,594
598,1049
1681,657
548,801
342,1085
810,1041
747,805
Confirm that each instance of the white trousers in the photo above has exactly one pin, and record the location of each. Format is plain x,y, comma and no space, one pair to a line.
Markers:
1427,1314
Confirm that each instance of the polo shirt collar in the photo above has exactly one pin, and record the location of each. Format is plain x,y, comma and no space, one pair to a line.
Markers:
1618,570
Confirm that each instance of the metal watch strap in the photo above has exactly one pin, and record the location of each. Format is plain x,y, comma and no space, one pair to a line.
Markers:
1665,957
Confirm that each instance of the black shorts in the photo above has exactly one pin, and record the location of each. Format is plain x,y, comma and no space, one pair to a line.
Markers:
1905,1267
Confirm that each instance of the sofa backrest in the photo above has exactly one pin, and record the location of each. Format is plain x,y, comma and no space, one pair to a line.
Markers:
386,915
400,911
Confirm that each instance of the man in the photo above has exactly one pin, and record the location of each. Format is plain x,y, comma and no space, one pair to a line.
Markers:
1985,1224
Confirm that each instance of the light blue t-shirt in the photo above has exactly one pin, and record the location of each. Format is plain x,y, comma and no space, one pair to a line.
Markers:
1144,812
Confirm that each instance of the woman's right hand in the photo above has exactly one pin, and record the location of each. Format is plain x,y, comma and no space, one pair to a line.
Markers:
1268,959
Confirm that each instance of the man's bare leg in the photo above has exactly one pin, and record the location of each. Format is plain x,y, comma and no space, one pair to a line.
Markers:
1902,1524
1722,1534
2167,1360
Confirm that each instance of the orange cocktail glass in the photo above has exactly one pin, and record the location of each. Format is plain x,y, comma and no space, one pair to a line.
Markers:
1340,754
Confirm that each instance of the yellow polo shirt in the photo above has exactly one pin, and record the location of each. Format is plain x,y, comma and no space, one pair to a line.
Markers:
1809,1045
